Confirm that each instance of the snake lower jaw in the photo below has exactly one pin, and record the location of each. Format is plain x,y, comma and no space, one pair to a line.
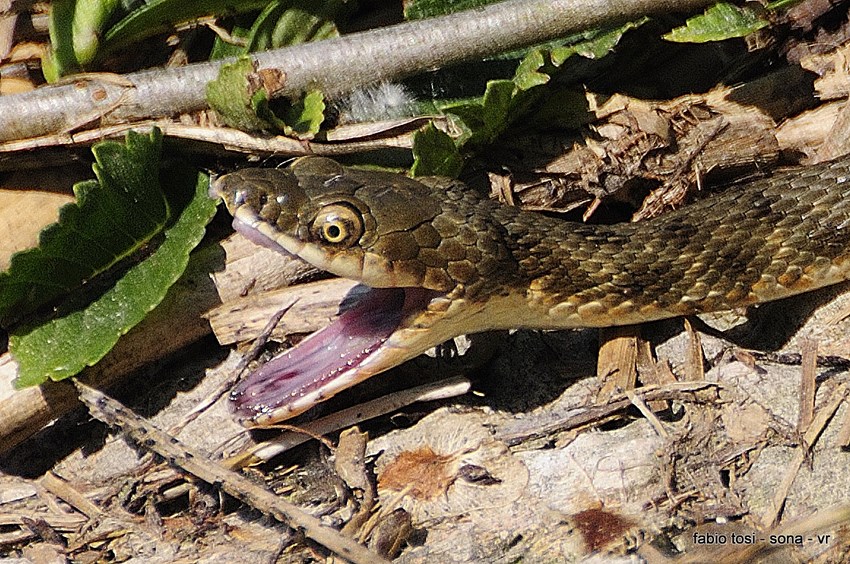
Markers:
371,335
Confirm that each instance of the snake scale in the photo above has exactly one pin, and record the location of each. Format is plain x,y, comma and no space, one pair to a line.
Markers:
437,260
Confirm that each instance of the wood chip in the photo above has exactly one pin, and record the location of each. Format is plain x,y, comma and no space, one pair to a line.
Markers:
808,386
617,363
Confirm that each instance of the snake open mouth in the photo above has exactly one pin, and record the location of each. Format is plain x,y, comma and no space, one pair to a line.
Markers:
349,350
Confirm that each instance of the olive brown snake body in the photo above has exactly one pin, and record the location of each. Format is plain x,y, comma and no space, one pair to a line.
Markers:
438,260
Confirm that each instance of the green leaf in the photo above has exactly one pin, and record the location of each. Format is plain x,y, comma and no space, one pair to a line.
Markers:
601,42
60,59
240,36
239,94
63,346
305,20
418,9
90,17
435,153
304,118
113,217
283,23
486,120
529,93
160,16
528,73
232,94
781,4
719,22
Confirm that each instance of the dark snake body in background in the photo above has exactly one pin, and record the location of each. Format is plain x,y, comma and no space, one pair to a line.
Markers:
439,260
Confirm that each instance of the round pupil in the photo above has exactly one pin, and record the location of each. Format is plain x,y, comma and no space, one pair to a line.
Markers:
333,231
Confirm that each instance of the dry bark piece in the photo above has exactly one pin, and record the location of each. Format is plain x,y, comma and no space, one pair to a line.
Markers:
664,147
308,307
350,465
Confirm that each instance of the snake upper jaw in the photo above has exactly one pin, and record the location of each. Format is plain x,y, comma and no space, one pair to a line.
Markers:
261,233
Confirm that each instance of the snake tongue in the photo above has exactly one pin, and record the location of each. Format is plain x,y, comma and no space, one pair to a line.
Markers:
327,361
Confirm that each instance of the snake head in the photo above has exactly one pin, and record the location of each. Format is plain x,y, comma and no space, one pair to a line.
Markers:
409,242
355,224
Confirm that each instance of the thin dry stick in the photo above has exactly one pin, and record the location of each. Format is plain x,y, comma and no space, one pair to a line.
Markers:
195,462
225,387
694,368
843,438
695,392
335,65
265,451
63,490
638,402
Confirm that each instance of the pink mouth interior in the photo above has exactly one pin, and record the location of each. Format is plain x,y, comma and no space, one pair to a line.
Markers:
341,346
370,316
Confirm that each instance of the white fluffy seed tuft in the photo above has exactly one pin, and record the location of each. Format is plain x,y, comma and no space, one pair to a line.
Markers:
378,102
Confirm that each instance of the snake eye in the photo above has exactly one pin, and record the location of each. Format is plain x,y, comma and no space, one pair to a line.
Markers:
338,224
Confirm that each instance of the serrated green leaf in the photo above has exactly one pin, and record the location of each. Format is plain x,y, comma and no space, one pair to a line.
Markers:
435,153
232,95
63,346
484,119
528,73
239,96
719,22
602,42
113,217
